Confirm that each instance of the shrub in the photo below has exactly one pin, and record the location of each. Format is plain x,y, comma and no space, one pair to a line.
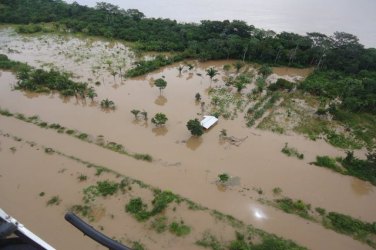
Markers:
179,229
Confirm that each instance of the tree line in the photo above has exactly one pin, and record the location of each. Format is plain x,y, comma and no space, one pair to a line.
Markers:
205,40
345,68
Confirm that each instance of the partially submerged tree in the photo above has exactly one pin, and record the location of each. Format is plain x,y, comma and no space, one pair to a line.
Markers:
145,115
180,69
194,126
223,177
161,84
107,104
135,112
159,119
91,93
198,97
211,72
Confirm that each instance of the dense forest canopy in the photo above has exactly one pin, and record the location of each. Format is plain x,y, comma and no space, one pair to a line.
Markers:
206,40
347,69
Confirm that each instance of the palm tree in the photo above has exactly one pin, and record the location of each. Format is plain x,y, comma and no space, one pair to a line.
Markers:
91,93
135,112
107,104
211,72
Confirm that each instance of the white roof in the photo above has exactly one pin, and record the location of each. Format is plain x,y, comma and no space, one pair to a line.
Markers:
208,121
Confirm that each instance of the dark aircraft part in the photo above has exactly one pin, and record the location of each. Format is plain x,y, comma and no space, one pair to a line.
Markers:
94,234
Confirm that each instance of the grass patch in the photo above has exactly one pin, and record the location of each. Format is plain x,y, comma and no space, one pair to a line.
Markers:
102,188
350,165
294,207
144,157
289,151
54,200
139,210
137,245
82,177
358,229
159,224
179,228
328,162
210,241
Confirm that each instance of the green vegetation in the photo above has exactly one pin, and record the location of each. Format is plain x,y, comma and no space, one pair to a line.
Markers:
211,72
102,188
88,210
268,242
320,210
159,224
350,165
159,119
108,104
179,228
328,162
198,97
207,40
210,241
143,67
194,126
223,177
82,136
265,70
347,225
82,177
55,200
39,80
356,92
137,246
281,84
289,151
41,194
135,112
161,84
7,64
294,207
257,111
277,190
138,208
228,104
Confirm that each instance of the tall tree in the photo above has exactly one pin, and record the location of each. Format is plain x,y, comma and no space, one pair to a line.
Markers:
161,84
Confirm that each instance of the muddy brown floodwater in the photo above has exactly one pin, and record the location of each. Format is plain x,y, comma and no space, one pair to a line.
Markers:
188,166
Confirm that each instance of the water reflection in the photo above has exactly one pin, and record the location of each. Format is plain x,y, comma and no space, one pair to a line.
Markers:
361,187
190,75
258,213
161,100
160,131
194,142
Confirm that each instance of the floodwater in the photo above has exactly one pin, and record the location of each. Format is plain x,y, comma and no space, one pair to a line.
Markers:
186,165
355,17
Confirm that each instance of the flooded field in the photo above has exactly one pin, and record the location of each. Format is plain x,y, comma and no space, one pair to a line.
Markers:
186,165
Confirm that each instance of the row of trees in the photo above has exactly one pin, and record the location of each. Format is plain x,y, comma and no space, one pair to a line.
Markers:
39,80
207,40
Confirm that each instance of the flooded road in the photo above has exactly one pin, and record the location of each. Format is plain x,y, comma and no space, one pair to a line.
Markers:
186,165
350,16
